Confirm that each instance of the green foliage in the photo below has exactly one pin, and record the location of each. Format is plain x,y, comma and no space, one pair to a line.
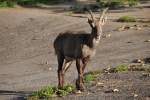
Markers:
7,3
132,3
117,3
11,3
121,68
127,19
88,77
50,91
91,75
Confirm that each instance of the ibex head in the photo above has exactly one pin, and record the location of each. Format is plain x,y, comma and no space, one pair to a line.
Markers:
96,24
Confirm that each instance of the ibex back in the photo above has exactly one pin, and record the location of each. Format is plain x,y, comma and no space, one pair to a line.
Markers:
80,47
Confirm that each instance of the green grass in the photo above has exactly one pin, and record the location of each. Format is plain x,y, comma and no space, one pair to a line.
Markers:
127,19
51,91
122,68
90,76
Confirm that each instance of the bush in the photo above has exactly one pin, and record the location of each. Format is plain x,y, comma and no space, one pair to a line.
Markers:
121,68
117,3
132,3
7,3
11,3
127,19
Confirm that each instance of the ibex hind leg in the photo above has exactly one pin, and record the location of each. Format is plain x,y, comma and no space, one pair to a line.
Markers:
60,72
67,64
79,81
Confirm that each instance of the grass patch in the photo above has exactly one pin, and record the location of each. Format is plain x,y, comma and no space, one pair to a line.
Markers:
142,67
51,91
90,76
122,68
127,19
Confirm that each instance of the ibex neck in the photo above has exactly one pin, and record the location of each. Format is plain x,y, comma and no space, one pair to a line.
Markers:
94,39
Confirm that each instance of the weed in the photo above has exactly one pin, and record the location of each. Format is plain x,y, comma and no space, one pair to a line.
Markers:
88,77
127,19
122,67
51,91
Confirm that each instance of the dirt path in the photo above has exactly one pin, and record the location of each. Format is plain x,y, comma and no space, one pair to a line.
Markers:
27,59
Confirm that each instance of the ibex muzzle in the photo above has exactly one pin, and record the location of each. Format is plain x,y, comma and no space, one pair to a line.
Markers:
79,47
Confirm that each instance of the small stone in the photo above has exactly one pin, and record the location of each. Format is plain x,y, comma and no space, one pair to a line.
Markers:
116,90
147,41
49,68
121,28
138,28
109,91
99,84
78,92
139,61
46,63
145,25
108,35
135,95
145,74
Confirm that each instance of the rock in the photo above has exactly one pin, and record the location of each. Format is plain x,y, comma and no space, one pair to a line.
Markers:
109,91
99,84
122,28
49,68
147,41
109,35
145,25
145,74
138,28
78,92
116,90
135,95
138,61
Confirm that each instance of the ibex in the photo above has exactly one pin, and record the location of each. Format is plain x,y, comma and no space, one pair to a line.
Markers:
79,47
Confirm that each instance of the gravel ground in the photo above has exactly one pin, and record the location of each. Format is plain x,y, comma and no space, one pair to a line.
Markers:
27,60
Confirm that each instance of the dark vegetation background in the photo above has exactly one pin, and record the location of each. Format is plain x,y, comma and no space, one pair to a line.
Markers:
101,3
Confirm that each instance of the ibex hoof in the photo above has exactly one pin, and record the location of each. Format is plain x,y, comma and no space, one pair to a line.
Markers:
80,86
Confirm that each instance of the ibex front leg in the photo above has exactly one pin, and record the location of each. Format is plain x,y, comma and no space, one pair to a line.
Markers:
79,81
60,71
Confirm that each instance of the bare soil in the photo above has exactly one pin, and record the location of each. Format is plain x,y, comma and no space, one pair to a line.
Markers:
28,62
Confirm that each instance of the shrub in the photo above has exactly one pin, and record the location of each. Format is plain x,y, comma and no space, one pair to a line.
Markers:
117,3
7,3
121,68
127,19
132,3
